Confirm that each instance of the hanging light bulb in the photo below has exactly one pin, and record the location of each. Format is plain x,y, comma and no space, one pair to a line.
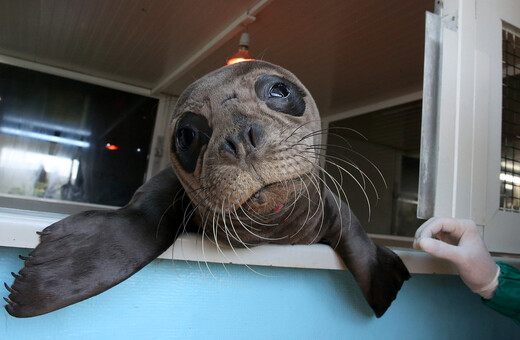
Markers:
243,53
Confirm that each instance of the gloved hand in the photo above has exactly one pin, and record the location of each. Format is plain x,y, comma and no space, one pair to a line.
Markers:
458,241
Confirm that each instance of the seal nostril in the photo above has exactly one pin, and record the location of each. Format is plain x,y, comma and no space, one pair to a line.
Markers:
231,146
251,137
254,136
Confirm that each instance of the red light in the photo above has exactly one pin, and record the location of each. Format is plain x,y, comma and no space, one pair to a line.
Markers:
236,60
111,147
240,56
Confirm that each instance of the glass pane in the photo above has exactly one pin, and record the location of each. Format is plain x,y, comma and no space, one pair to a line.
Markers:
510,160
382,166
65,140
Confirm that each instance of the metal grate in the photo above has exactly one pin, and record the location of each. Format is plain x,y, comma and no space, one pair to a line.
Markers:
510,160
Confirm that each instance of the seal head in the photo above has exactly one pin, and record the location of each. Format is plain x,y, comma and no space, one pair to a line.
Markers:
243,145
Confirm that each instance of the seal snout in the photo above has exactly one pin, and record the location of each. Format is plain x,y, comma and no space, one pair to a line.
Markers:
247,141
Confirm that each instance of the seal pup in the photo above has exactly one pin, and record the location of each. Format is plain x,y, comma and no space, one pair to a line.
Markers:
245,151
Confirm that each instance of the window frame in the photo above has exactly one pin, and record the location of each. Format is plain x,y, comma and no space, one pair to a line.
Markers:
470,119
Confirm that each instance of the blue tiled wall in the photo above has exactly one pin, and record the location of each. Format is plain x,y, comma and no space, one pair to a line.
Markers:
180,300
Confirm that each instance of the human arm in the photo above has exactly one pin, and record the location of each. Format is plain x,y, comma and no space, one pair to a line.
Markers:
506,299
458,241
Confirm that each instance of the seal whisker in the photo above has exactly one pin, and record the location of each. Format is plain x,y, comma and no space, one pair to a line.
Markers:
348,173
326,130
322,204
202,249
362,173
200,200
295,200
215,236
258,236
334,181
243,226
360,155
230,244
300,126
337,200
255,221
175,200
238,256
161,218
254,216
359,184
237,236
338,204
347,161
308,217
308,208
313,179
205,260
200,228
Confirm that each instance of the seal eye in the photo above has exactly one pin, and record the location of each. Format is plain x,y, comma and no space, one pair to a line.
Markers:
281,95
191,133
279,90
185,138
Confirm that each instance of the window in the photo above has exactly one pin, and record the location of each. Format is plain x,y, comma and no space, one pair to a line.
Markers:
477,162
66,140
510,154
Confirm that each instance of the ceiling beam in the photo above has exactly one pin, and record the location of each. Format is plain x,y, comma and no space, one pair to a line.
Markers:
384,104
83,77
214,43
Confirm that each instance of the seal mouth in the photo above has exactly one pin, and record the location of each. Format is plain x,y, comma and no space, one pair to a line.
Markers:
258,197
274,197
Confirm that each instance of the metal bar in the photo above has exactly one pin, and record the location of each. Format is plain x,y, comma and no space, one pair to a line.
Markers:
430,111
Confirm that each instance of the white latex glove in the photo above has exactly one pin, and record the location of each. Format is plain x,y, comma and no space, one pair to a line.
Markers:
458,241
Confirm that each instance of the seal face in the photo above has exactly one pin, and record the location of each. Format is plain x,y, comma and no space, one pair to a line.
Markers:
244,145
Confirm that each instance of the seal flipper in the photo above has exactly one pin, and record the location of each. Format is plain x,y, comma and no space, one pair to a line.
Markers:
90,252
379,272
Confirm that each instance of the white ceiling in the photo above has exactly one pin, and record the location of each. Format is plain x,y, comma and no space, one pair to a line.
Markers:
348,53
